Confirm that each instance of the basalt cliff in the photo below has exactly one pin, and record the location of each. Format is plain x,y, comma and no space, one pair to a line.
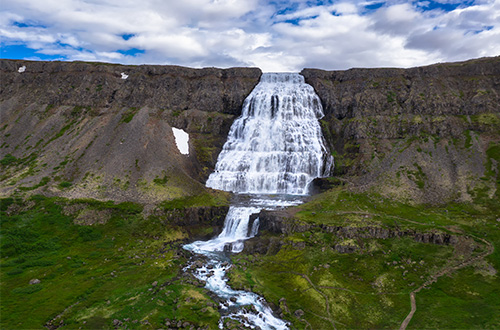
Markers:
427,134
103,131
93,130
96,195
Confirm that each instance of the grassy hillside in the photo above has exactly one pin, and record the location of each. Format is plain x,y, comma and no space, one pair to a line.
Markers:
93,265
315,286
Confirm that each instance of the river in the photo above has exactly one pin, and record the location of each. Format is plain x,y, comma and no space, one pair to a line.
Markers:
273,152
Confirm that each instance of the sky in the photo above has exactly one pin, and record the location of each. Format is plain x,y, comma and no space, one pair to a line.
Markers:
274,35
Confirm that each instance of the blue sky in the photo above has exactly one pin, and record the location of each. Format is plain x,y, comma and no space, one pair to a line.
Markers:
273,35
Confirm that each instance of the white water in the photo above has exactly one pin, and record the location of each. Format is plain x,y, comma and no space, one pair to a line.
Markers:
274,147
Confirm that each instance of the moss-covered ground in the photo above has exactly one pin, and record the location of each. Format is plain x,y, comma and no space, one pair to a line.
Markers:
122,270
103,265
456,286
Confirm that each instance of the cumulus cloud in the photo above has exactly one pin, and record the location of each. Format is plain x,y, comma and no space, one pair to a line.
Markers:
283,35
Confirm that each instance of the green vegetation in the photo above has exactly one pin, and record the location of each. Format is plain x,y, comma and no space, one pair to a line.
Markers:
417,176
468,139
65,184
486,119
126,269
62,164
42,183
61,132
342,162
391,97
161,181
370,287
78,110
204,149
8,160
129,114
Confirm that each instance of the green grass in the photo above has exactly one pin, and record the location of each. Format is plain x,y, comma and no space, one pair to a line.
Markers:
370,287
391,97
161,181
363,291
467,299
8,160
42,183
61,132
93,274
129,114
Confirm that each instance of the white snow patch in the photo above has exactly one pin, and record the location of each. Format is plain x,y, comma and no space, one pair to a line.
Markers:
22,69
181,140
124,76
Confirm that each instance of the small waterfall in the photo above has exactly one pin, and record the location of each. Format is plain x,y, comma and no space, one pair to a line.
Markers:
234,233
273,152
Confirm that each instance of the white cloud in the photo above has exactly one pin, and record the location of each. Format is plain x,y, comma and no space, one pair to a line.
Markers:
278,36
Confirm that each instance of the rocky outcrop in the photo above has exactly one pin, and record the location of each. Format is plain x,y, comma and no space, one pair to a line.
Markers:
79,130
193,216
465,88
280,222
100,85
419,134
426,134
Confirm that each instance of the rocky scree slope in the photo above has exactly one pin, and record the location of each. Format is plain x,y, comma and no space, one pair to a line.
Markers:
103,131
425,134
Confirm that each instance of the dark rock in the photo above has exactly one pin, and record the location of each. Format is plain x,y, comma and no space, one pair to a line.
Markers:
299,313
120,126
375,118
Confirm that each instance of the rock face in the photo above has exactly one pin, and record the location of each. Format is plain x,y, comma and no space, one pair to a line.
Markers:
281,222
428,134
80,130
422,133
274,222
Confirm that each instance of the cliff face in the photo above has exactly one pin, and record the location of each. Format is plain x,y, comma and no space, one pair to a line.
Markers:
428,134
81,130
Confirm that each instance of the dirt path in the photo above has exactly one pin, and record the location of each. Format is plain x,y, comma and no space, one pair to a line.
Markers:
490,249
445,271
412,311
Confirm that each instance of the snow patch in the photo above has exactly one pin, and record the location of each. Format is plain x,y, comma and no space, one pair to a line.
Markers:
22,69
181,140
124,76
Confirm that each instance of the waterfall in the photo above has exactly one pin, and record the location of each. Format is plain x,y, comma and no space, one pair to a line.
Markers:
276,145
273,152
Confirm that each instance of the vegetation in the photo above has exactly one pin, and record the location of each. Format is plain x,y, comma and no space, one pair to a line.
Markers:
42,183
8,160
126,271
129,114
65,184
370,287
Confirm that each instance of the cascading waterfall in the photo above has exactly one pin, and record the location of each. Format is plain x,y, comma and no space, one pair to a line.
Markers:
273,152
276,146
